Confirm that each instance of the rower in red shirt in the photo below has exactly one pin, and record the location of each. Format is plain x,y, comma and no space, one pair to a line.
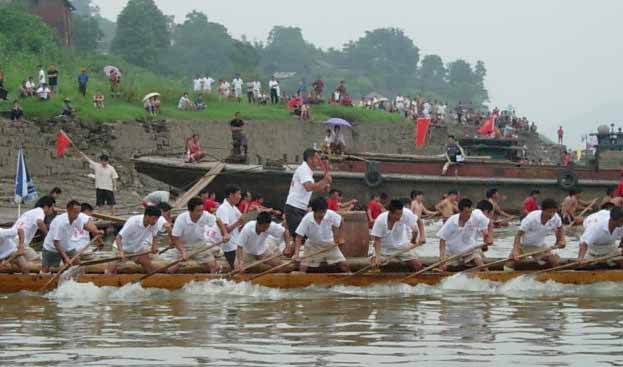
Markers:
209,202
531,203
334,202
619,190
375,207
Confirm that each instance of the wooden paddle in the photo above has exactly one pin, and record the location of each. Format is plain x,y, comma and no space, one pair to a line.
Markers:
442,262
292,262
505,220
172,264
260,262
109,260
523,256
588,207
63,268
165,250
577,263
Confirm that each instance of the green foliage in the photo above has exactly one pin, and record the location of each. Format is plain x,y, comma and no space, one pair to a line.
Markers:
86,33
143,33
287,51
23,32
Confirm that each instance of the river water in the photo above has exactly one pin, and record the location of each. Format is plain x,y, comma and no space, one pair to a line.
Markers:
459,322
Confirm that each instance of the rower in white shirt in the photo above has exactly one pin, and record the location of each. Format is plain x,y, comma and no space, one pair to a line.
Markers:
461,231
532,232
231,217
9,251
322,228
252,244
33,221
394,230
189,234
57,245
600,237
139,235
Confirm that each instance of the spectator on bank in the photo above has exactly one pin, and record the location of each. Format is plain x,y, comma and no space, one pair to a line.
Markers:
43,93
338,143
16,111
30,86
239,139
68,109
41,78
52,78
193,149
275,92
199,103
197,84
149,106
561,134
1,78
23,90
185,104
237,83
250,96
98,100
83,79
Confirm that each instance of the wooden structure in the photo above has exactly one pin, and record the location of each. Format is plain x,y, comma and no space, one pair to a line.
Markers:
10,283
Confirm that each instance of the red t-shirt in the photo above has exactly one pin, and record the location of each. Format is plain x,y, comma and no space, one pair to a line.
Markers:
210,205
619,190
243,206
375,210
530,205
333,204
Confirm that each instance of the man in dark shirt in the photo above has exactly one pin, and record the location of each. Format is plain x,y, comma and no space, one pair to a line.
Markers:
238,137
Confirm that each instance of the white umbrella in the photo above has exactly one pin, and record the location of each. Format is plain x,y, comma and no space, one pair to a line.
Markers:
109,69
151,95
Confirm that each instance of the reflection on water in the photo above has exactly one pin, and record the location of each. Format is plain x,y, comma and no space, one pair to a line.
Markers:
462,321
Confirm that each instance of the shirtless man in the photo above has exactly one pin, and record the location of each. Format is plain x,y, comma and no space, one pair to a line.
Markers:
449,205
612,198
417,205
569,206
493,197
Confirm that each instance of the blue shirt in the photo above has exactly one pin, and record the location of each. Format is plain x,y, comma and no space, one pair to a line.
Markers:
83,78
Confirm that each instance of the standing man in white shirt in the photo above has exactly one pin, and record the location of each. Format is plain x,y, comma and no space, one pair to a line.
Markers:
41,76
257,90
231,217
238,83
394,230
533,230
322,228
189,234
105,182
601,235
252,245
33,221
301,190
207,84
57,245
139,234
273,84
460,233
197,84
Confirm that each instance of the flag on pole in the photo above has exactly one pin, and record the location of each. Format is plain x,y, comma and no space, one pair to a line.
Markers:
25,190
62,142
422,126
488,127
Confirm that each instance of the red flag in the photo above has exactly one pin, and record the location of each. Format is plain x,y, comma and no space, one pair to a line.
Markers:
62,142
421,131
488,127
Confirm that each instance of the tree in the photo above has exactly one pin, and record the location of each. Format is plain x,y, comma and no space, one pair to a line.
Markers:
143,33
286,50
26,33
86,33
387,55
432,75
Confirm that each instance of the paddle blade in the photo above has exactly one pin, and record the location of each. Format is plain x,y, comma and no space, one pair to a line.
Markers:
69,274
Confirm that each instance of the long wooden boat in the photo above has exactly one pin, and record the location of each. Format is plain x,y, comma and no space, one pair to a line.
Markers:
12,283
360,176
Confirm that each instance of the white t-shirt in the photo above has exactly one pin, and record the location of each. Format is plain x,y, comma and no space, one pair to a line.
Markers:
43,92
237,83
207,84
197,84
400,235
534,231
7,245
42,76
157,197
79,238
61,230
229,215
104,176
319,233
598,234
460,239
255,244
29,222
257,86
595,216
135,235
161,224
298,197
189,232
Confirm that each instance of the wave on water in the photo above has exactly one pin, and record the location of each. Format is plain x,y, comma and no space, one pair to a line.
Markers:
74,294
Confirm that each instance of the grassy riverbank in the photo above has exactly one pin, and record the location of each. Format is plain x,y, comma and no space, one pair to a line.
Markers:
135,84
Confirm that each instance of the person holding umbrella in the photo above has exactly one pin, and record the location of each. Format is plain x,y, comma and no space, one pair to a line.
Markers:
338,143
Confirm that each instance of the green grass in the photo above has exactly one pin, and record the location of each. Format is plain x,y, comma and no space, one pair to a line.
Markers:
138,82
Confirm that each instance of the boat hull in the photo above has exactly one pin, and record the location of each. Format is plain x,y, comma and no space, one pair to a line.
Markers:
12,283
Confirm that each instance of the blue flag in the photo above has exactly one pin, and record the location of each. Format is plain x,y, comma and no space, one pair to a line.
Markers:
25,190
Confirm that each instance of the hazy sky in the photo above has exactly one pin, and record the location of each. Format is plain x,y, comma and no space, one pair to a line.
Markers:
553,60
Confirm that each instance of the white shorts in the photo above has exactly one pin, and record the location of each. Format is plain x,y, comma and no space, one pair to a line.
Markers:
407,256
237,93
330,257
540,257
250,259
595,252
